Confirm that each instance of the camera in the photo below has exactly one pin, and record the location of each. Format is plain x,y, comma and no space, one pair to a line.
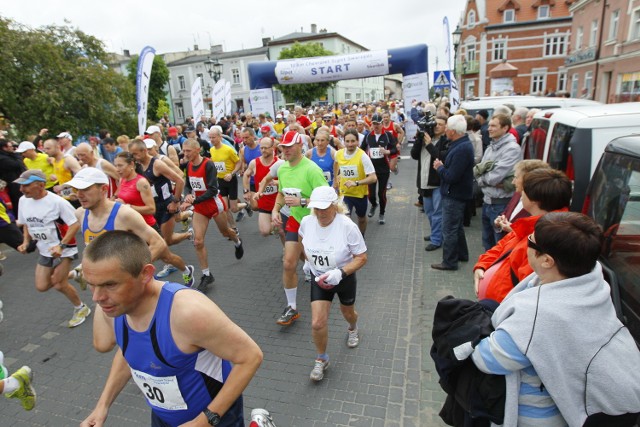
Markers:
426,124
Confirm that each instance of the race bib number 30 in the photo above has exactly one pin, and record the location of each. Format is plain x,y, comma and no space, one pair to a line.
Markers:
161,392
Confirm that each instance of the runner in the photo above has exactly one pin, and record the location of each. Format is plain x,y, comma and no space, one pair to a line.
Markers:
396,130
323,155
354,171
50,220
134,190
265,197
64,167
297,178
334,250
249,151
202,194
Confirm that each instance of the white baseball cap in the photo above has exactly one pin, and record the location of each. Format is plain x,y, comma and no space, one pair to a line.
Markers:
86,178
322,197
149,143
152,129
64,135
24,146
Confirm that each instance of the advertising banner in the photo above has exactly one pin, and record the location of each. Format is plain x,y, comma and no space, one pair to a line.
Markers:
145,62
218,99
415,88
197,104
261,101
227,98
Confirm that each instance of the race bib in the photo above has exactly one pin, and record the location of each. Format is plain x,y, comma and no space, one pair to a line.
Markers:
161,392
220,167
166,191
376,153
294,192
197,183
154,193
322,260
349,172
43,234
66,192
327,175
270,189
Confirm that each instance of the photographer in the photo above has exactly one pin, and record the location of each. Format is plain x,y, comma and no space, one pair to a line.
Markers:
425,150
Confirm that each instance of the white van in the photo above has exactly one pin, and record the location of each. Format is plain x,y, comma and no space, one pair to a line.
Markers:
489,103
573,139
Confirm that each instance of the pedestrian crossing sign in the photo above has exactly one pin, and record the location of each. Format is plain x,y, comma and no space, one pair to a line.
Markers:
441,79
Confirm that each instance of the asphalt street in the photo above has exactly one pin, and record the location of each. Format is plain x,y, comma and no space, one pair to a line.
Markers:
389,380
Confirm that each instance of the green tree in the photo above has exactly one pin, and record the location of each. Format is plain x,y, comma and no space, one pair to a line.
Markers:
58,77
308,92
157,83
163,108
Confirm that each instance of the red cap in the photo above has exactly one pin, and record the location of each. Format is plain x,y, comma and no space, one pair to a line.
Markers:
265,129
173,131
290,138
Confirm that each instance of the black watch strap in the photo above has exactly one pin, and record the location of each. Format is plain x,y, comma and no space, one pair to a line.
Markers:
212,417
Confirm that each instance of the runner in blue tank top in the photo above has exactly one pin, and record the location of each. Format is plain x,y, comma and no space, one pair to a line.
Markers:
322,154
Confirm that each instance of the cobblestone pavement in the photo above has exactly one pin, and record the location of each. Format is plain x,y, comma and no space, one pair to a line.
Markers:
389,380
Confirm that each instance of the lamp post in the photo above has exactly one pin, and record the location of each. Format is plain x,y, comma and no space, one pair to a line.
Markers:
214,68
464,71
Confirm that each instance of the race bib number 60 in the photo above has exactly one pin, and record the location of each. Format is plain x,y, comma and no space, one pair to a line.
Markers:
161,392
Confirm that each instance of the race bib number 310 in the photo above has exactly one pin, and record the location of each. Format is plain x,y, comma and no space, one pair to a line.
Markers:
161,392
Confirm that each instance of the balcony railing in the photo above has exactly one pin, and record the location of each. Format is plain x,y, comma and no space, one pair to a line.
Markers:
468,67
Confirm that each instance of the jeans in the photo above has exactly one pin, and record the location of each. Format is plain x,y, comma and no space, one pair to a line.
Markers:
433,208
454,242
234,417
489,234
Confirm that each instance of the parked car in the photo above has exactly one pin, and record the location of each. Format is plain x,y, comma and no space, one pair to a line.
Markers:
573,139
489,103
613,201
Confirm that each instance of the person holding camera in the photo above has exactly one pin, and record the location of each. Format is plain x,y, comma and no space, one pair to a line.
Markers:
426,150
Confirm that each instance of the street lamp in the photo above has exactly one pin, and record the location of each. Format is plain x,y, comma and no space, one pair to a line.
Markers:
214,68
464,71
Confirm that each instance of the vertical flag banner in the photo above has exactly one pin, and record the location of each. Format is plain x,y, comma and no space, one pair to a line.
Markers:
454,97
218,99
143,76
447,40
227,98
197,104
261,101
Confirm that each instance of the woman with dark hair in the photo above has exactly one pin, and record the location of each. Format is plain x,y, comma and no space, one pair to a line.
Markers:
134,189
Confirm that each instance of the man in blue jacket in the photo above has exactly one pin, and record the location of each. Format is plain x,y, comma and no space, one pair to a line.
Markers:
456,187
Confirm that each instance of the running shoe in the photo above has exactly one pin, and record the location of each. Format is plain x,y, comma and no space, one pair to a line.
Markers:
79,316
240,216
192,234
25,392
261,418
185,222
381,219
166,270
205,281
249,210
389,185
2,256
189,280
239,250
76,274
353,339
372,210
319,366
288,316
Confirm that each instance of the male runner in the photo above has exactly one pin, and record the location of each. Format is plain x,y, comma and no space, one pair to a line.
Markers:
264,198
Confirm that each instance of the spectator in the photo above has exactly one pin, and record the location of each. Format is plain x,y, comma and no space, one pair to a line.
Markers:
11,166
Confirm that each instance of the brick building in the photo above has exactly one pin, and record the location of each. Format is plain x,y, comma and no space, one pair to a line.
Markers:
513,46
604,55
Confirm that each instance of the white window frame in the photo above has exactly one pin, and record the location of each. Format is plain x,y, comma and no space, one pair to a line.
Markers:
546,15
538,81
574,85
634,25
180,110
499,50
235,76
588,83
347,96
579,38
614,22
556,44
505,14
593,34
562,80
471,19
181,83
470,52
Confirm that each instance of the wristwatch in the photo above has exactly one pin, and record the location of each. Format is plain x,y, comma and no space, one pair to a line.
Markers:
63,246
303,202
212,418
246,190
357,183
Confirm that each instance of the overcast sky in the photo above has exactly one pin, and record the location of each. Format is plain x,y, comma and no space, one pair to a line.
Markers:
171,26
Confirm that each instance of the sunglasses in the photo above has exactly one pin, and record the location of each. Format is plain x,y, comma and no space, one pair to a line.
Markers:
533,245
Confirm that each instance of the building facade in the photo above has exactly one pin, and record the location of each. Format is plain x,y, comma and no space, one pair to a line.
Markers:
604,57
513,47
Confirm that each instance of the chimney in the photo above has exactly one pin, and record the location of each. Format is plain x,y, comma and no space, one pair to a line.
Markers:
126,53
314,28
195,47
265,41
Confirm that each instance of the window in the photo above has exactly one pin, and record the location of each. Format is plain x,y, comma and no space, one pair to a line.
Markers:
613,24
538,82
593,36
509,15
574,85
562,81
471,18
635,25
499,50
579,38
181,84
347,96
534,145
180,110
558,156
235,75
471,52
544,12
588,84
554,45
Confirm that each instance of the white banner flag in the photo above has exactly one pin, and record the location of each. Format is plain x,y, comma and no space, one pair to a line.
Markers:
197,104
218,99
145,62
261,101
455,94
227,98
415,88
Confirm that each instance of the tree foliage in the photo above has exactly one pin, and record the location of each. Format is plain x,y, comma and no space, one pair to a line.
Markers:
157,83
58,77
308,92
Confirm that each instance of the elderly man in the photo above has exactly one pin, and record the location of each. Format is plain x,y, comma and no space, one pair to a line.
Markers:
155,133
87,158
456,188
66,143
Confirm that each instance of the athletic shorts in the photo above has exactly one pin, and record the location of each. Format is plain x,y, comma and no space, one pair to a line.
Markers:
162,215
252,187
50,262
264,211
228,189
346,291
211,208
357,203
292,225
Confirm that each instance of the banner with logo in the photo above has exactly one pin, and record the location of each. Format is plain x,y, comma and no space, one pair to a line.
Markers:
227,98
218,99
143,75
197,104
332,68
454,99
415,88
261,101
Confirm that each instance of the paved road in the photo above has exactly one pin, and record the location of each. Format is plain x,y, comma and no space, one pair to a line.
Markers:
388,380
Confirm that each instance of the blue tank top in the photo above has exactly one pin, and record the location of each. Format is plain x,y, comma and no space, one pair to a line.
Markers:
250,154
176,385
88,234
325,162
161,186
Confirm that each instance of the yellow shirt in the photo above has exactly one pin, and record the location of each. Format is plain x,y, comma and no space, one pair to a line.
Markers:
41,162
61,173
279,127
224,159
351,170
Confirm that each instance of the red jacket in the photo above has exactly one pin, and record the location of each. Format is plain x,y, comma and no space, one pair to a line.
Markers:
515,266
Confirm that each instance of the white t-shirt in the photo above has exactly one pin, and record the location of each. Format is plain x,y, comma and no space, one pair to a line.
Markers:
40,217
333,246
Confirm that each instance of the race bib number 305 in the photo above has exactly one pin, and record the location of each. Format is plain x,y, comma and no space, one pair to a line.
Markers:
161,392
349,172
